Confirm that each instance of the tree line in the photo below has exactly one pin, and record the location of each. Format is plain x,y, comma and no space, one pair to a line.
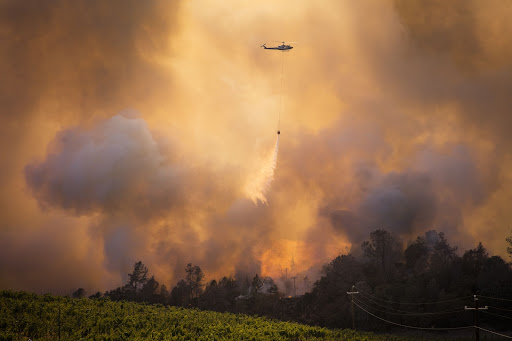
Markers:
397,284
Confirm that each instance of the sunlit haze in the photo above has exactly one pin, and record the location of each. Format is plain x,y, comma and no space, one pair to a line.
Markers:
146,130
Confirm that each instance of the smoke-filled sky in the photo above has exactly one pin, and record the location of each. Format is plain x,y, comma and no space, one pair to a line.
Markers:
129,130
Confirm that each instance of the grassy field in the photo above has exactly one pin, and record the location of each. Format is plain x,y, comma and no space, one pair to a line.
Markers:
46,317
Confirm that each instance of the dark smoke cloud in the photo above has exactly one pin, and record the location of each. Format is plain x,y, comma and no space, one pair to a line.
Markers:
117,168
116,164
433,190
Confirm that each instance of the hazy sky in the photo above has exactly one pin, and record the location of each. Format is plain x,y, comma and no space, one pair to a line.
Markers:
129,130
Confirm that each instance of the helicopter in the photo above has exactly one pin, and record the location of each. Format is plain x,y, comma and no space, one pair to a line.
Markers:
283,47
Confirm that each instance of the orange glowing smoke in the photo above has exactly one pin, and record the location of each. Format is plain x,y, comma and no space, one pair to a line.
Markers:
298,256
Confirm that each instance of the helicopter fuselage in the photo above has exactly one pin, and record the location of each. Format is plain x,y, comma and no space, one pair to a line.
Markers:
280,47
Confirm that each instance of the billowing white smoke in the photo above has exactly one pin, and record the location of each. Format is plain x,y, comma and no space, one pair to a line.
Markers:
111,166
258,186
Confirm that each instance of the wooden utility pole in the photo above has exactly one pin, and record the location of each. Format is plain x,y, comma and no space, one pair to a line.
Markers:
59,319
351,293
476,309
294,290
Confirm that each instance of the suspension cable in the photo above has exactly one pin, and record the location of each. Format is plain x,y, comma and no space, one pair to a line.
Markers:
493,332
494,298
385,306
413,303
411,313
503,316
280,93
412,327
499,308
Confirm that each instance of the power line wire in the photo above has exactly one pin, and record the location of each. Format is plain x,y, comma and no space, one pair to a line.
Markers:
413,303
411,313
506,317
493,332
494,298
369,297
412,327
499,308
387,307
384,306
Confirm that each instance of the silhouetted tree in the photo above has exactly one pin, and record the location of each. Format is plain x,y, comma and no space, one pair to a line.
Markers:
194,279
432,272
256,284
211,296
229,291
138,277
131,291
119,294
495,278
270,286
79,293
164,294
96,295
473,260
181,294
417,255
382,252
443,251
150,291
188,290
331,304
219,296
444,264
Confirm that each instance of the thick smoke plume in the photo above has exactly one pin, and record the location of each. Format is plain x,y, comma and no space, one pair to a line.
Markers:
115,165
397,116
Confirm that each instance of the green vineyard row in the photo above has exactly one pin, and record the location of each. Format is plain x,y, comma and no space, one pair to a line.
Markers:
47,317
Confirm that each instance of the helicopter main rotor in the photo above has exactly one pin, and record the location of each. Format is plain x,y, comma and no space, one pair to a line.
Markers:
284,42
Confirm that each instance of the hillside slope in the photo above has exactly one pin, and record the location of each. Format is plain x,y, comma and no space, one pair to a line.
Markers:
43,317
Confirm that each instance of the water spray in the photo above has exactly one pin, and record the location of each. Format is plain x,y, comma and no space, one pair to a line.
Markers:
257,188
